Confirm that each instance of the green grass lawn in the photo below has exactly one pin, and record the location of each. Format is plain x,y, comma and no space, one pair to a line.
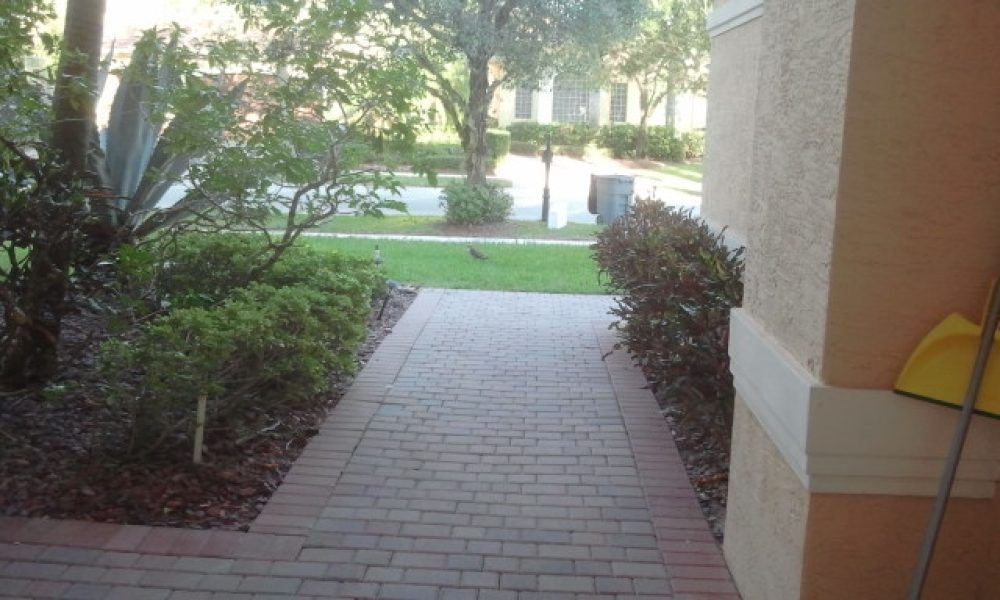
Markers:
442,180
528,268
690,171
414,225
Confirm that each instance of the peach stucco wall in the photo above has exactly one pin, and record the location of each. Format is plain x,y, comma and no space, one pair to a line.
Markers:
732,96
866,547
802,90
918,213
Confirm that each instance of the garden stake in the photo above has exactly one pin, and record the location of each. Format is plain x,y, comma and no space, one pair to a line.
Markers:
199,429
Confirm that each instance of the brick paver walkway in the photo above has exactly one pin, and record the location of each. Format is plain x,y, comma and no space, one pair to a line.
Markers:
486,452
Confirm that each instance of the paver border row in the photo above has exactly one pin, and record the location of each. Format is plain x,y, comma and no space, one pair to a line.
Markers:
695,565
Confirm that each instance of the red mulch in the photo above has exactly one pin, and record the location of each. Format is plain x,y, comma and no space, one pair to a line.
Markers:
58,446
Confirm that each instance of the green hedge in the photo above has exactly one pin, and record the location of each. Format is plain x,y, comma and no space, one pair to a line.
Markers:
247,346
498,141
563,134
663,144
525,148
475,204
619,138
694,144
570,151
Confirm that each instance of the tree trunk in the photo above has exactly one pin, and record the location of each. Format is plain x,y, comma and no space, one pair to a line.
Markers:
642,135
74,99
474,140
34,305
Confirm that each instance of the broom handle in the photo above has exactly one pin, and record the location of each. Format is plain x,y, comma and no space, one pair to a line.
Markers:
957,443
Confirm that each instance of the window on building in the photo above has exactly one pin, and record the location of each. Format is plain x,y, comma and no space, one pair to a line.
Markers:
570,100
619,102
523,102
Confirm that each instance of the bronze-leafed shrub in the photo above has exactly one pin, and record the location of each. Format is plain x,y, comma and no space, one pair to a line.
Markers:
676,282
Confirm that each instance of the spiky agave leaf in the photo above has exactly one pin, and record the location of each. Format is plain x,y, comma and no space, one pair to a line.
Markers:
132,128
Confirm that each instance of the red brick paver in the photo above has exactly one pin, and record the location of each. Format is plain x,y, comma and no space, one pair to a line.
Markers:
485,452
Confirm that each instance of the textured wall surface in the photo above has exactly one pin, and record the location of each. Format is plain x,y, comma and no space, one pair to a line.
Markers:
867,546
797,149
732,94
766,515
918,217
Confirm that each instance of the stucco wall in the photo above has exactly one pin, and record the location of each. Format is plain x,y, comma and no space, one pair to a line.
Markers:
801,94
766,515
866,547
918,217
732,94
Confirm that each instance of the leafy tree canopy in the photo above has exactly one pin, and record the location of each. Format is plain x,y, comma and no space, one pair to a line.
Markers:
522,40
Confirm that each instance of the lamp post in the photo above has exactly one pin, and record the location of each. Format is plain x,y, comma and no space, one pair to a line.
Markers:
547,159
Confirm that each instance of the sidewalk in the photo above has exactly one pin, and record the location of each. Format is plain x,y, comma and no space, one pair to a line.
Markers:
486,452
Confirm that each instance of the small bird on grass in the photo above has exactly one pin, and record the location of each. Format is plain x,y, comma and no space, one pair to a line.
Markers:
476,254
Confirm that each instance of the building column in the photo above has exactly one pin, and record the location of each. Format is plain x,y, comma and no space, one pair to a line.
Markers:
873,212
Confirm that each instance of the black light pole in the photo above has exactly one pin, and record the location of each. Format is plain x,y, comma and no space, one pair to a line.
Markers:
547,159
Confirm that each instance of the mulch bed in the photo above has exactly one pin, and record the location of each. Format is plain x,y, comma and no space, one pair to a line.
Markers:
57,446
705,454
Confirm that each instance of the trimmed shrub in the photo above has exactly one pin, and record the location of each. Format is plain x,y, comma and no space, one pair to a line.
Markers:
441,162
475,204
694,144
204,269
563,134
573,134
619,138
246,347
676,282
663,144
527,131
525,148
570,151
498,141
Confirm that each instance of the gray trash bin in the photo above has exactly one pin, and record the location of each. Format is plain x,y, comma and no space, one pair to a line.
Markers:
610,196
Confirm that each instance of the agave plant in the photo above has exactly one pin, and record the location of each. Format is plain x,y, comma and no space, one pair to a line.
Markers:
145,149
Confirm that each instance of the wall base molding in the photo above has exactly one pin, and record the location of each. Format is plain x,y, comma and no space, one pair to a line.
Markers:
855,441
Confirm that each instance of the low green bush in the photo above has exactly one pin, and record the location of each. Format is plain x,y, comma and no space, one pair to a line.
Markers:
527,131
619,138
676,282
693,143
573,134
475,204
525,148
441,162
570,151
498,141
202,269
663,144
247,339
563,134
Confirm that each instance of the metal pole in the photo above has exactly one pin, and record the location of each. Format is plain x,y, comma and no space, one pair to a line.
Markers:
955,451
547,159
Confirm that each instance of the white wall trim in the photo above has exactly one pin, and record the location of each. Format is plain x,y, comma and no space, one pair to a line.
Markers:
855,441
733,14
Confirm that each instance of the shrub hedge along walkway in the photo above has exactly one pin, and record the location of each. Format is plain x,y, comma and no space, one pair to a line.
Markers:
485,452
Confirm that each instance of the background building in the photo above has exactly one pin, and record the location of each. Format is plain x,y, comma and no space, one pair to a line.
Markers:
568,99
